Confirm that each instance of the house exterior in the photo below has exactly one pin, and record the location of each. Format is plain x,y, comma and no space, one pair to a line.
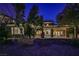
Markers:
50,30
10,22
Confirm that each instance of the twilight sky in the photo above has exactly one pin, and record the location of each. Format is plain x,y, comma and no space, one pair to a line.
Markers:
47,10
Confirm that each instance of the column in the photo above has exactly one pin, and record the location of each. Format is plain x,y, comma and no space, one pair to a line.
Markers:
12,30
65,34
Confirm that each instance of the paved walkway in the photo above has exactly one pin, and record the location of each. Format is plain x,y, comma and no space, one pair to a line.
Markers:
37,49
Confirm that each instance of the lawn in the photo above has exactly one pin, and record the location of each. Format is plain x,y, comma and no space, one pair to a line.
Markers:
40,48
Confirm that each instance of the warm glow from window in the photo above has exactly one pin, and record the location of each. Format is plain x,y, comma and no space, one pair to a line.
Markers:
58,33
38,32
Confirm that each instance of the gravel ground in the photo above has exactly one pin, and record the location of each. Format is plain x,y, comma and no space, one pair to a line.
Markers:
39,48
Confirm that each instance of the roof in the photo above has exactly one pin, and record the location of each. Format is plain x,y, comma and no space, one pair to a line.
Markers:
48,21
7,16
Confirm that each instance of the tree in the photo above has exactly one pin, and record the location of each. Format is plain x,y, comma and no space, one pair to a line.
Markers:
33,14
70,16
34,19
3,31
19,9
29,31
39,24
3,28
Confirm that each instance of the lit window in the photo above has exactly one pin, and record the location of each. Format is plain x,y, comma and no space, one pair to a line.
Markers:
16,30
61,32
